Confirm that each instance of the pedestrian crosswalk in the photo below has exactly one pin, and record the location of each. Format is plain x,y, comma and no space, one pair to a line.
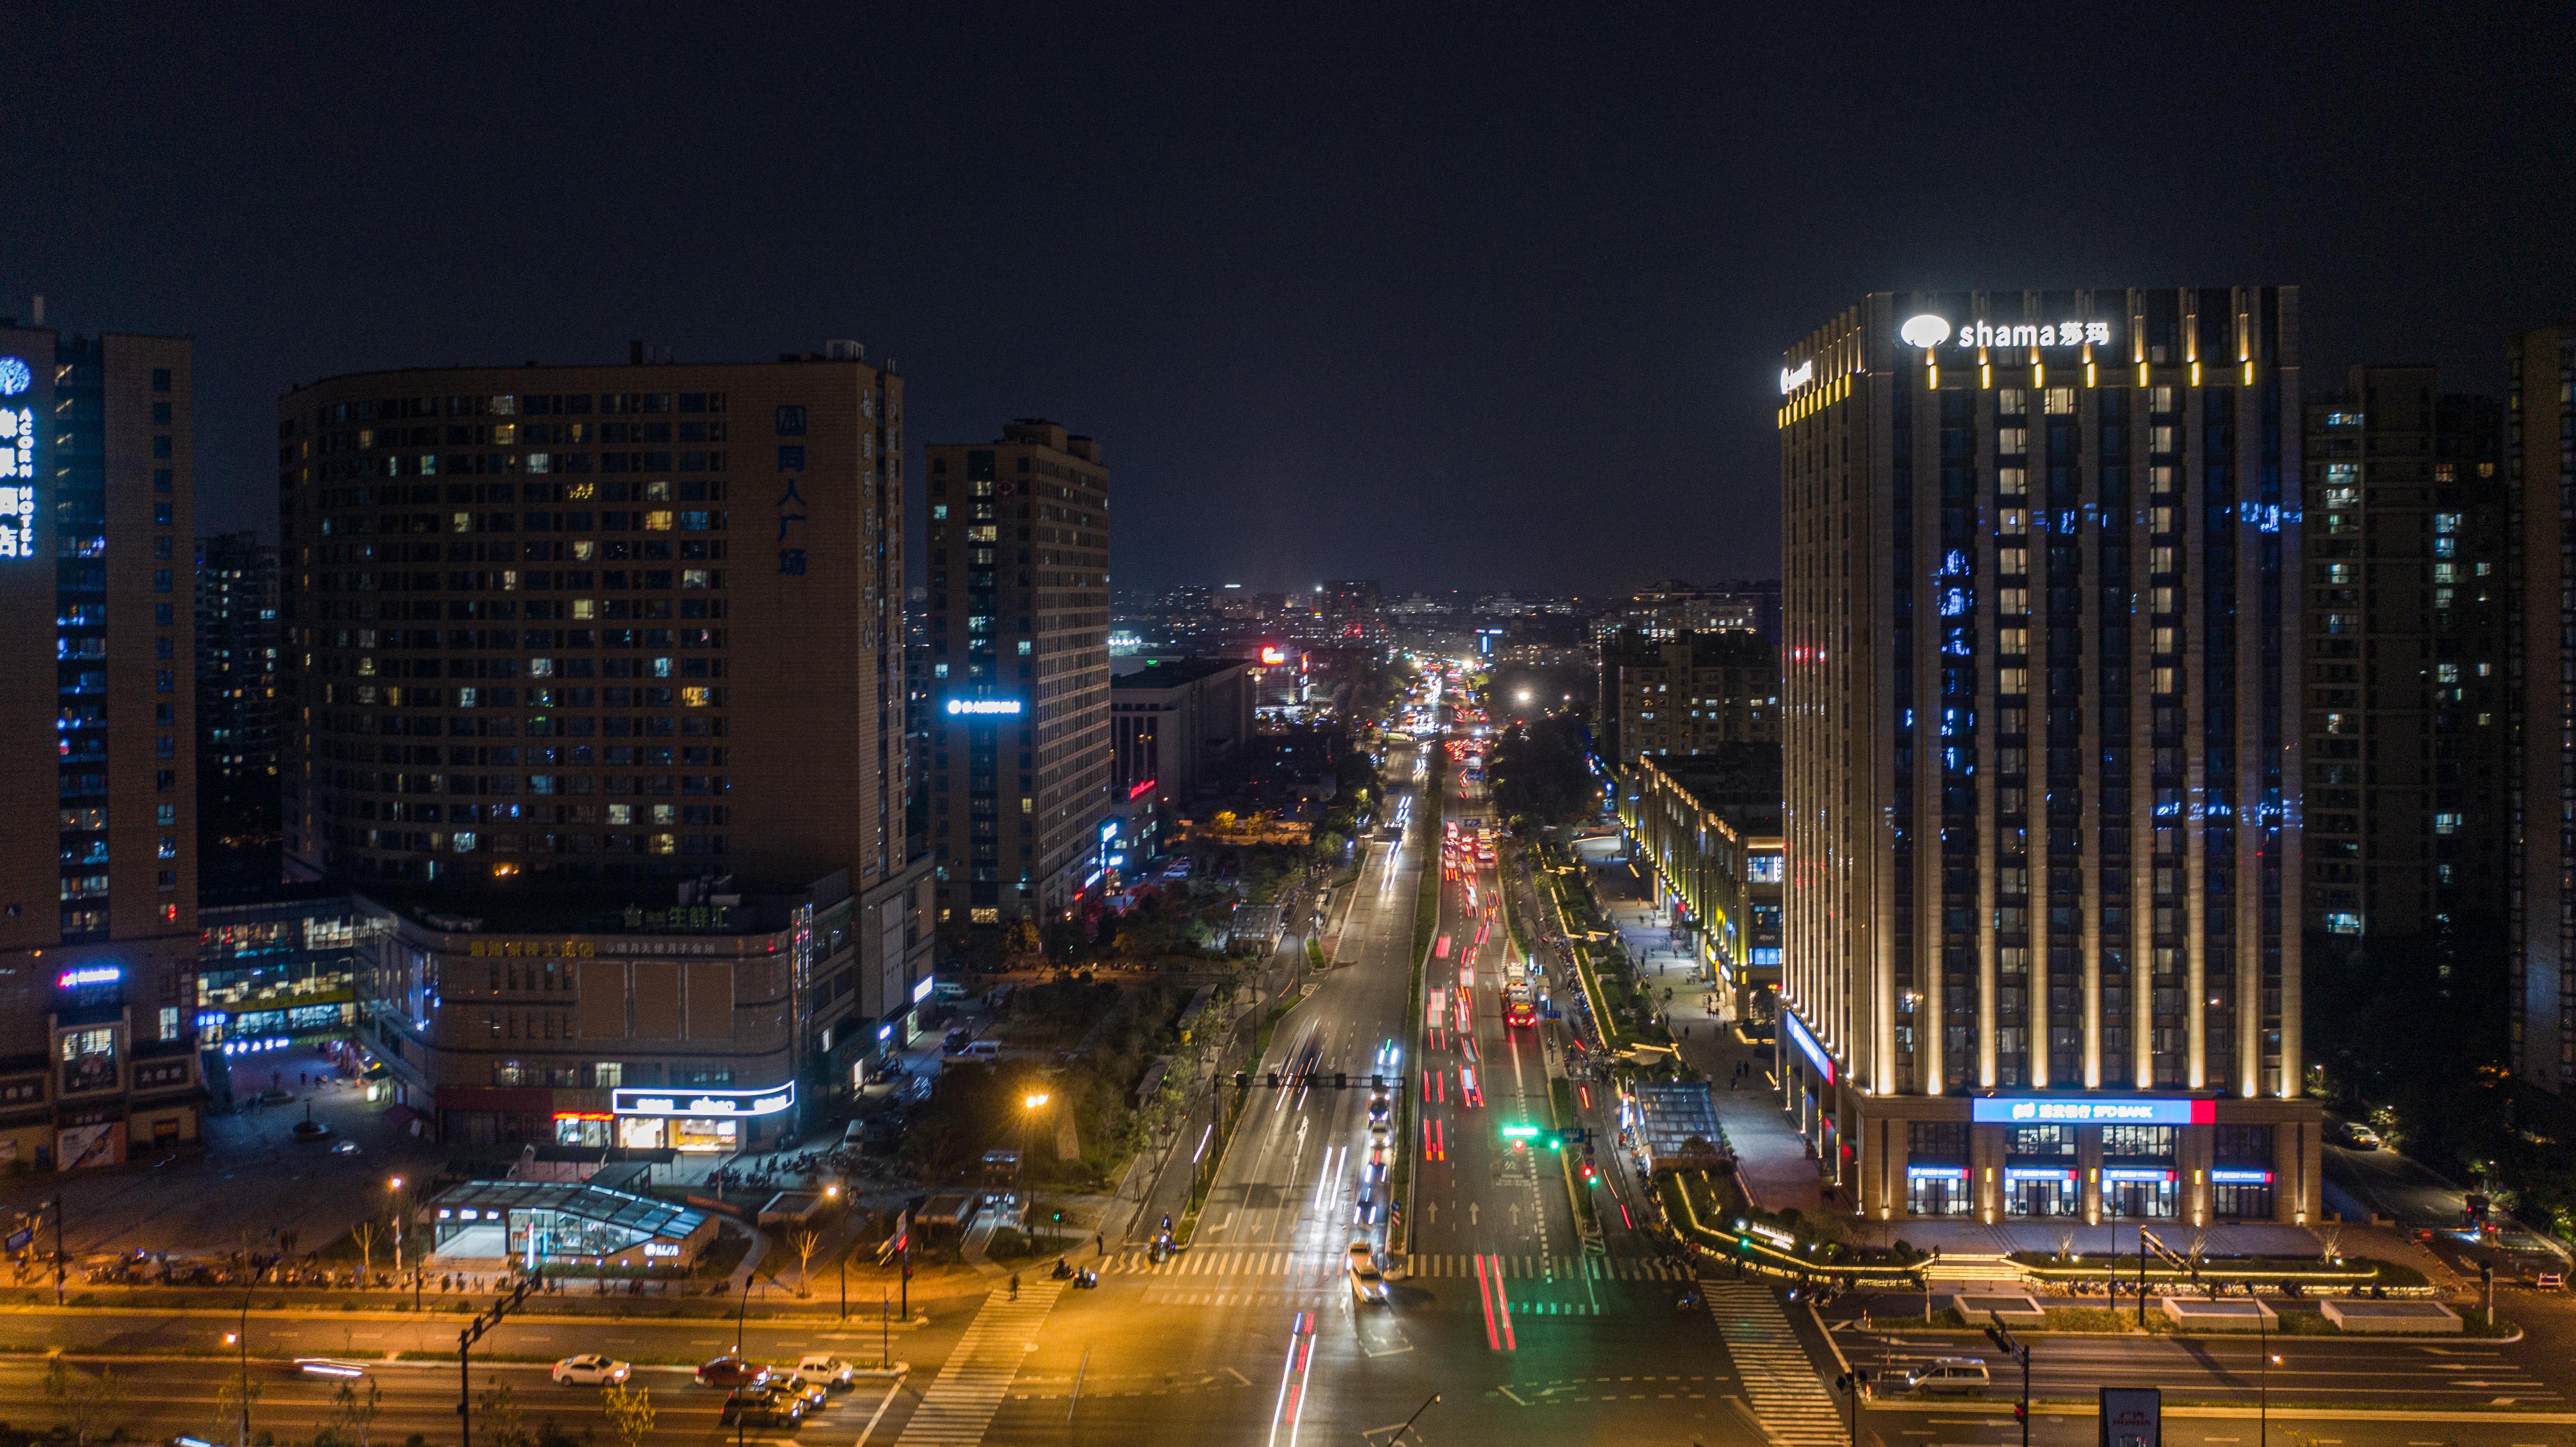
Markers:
1254,1261
960,1404
1780,1382
1309,1298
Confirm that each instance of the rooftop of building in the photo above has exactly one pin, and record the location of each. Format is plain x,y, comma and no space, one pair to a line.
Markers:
638,357
1741,781
531,902
1709,648
1174,672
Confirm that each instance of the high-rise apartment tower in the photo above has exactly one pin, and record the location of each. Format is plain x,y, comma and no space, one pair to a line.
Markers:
2540,471
1019,672
598,625
2042,650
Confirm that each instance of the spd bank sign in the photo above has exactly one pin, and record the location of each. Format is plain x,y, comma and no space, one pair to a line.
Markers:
2127,1110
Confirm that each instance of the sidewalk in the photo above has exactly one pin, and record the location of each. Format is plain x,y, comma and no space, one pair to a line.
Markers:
1772,1161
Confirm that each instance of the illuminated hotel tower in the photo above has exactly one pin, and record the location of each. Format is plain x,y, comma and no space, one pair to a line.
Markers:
98,869
2043,657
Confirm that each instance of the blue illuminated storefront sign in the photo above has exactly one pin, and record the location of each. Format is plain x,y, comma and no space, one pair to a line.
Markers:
1936,1173
2224,1176
2039,1173
2124,1110
1805,1042
2137,1175
983,705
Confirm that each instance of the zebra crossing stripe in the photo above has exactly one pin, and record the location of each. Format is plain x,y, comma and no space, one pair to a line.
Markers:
1234,1261
1780,1381
959,1406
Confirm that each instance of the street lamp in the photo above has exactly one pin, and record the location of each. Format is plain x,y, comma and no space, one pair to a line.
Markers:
2262,1347
1034,1100
394,1188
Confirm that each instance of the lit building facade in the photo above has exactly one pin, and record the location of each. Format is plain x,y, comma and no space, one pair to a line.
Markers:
2407,822
580,650
236,609
1710,829
1019,673
98,860
2043,643
1686,694
2540,472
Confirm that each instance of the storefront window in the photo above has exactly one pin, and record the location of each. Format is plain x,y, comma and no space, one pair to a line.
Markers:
581,1130
2244,1203
1936,1193
690,1133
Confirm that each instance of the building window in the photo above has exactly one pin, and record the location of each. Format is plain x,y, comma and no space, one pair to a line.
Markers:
2139,1142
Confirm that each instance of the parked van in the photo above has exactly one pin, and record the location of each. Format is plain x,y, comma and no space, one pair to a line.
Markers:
976,1050
1951,1375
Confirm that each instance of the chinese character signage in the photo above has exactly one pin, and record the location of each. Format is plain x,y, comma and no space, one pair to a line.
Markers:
2097,1110
17,478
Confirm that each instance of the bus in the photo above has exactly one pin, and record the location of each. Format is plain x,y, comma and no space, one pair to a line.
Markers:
1518,1007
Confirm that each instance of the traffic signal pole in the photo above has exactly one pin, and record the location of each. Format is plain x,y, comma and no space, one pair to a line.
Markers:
465,1340
2002,1337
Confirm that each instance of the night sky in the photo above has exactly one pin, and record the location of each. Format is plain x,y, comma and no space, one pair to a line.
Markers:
1446,296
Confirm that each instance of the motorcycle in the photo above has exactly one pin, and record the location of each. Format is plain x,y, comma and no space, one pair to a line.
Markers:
1085,1280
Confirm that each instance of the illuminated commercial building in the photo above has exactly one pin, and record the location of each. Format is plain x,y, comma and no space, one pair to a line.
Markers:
604,656
2043,649
1709,828
98,856
1019,673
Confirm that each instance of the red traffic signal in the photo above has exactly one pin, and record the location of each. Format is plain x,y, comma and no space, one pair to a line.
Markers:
2021,1412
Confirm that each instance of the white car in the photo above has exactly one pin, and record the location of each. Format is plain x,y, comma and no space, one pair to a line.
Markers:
589,1369
822,1369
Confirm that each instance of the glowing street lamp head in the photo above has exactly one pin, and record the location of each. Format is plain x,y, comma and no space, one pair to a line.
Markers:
394,1185
1925,330
1035,1101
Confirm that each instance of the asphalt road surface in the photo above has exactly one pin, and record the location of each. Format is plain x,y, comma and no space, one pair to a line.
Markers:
1252,1335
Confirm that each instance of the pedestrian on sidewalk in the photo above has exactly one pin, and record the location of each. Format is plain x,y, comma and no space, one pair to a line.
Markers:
1015,1286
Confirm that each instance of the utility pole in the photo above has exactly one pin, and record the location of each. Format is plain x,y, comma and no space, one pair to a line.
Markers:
59,1270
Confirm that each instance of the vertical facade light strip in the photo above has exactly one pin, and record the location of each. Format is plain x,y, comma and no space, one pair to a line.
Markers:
2096,521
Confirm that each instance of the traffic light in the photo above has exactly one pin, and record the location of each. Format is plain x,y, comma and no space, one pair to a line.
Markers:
1270,1078
1591,1177
1243,1080
2021,1412
1341,1080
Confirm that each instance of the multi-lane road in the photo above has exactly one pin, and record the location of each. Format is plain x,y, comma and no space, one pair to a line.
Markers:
1523,1327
